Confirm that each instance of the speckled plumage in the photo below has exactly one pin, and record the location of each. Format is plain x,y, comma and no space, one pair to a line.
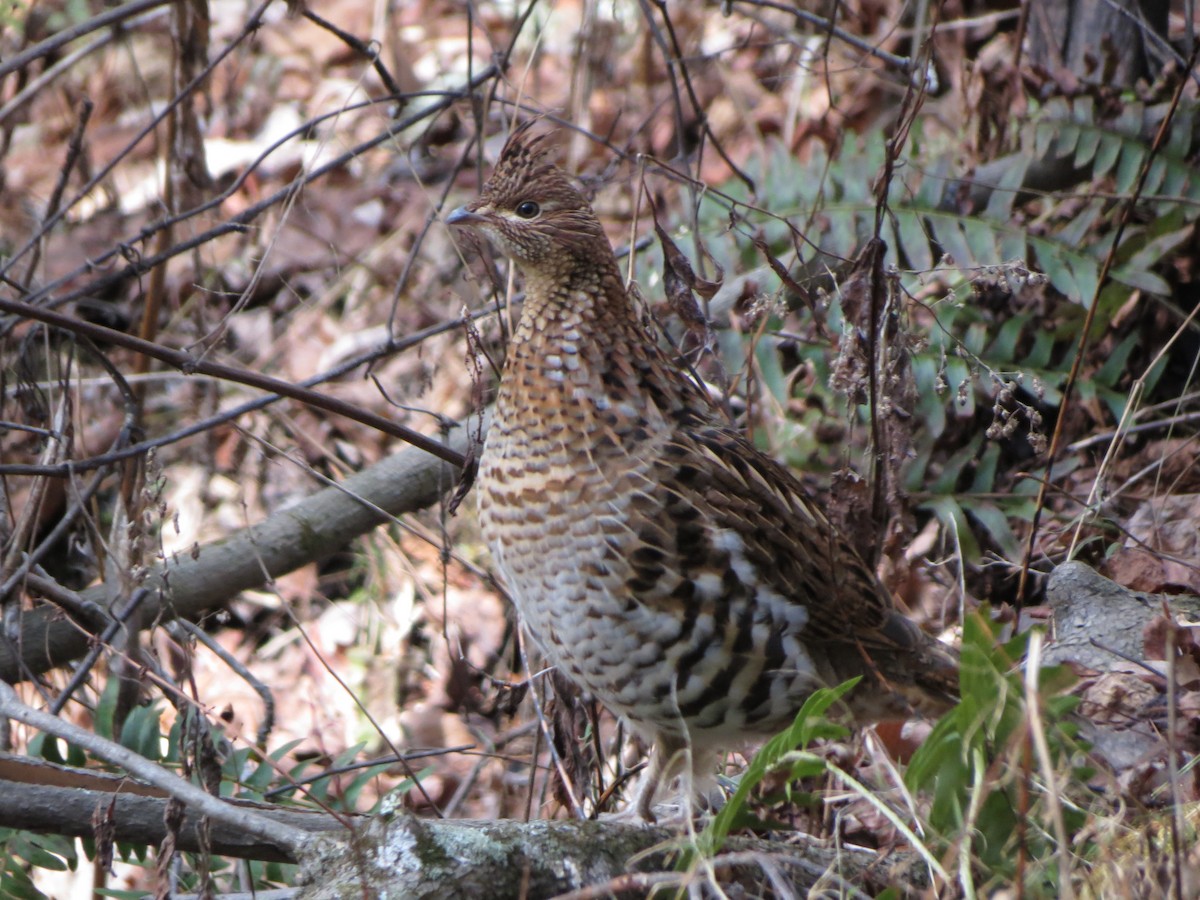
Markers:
659,559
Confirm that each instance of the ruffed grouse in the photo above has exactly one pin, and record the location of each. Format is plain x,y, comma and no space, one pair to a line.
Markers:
657,558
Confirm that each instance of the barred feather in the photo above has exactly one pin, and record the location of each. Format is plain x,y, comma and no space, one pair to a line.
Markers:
658,558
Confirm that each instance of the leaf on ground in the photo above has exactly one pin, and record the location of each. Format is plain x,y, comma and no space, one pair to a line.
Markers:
1162,551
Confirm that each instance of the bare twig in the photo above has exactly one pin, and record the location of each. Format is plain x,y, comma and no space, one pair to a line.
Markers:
74,147
66,63
359,46
139,265
182,629
371,763
111,16
187,585
674,57
384,350
1093,304
180,97
900,63
151,773
188,364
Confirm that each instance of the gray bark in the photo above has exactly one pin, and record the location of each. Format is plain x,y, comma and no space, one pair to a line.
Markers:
310,530
421,859
1100,624
137,817
403,856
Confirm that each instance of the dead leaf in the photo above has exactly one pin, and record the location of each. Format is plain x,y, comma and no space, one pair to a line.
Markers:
679,283
1163,546
1116,698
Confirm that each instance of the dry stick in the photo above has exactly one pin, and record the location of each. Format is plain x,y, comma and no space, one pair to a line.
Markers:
291,196
692,183
676,100
384,515
676,57
109,17
1077,363
185,584
101,643
467,785
74,148
878,291
90,613
189,365
390,348
99,176
22,529
907,66
1018,45
204,803
367,764
1037,730
184,32
498,68
1122,431
1161,47
359,46
80,504
1177,822
56,534
124,247
36,85
362,708
419,241
546,784
237,224
38,799
539,704
181,701
181,629
1169,422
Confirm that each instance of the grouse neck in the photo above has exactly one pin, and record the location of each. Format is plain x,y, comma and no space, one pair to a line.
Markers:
581,340
586,305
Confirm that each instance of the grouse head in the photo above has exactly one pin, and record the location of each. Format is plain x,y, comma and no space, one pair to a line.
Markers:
531,211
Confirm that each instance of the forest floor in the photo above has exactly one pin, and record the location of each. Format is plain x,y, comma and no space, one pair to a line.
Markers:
758,146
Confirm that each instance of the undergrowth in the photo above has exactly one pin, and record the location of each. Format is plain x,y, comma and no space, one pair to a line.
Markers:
1002,792
989,285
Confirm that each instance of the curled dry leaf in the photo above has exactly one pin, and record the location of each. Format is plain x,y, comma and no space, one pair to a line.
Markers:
681,284
1167,639
1163,547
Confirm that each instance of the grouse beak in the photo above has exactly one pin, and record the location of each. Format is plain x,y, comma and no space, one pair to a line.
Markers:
464,216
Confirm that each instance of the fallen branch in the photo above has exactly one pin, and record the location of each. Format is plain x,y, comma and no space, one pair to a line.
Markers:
423,859
187,586
196,798
50,799
402,855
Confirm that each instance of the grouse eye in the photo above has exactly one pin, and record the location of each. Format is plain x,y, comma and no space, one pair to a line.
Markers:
527,209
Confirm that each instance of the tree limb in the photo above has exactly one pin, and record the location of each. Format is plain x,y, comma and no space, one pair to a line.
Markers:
195,797
52,799
401,855
310,530
424,859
